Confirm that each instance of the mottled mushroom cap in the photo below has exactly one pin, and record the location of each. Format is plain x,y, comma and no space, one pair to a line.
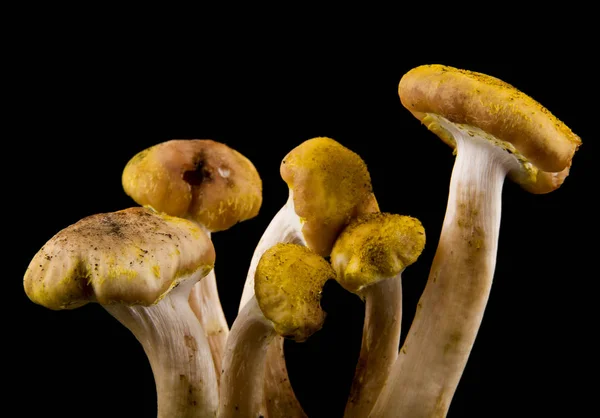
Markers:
376,247
330,186
134,256
288,283
198,179
498,108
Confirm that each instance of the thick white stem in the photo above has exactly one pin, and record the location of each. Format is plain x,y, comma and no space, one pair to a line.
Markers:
449,313
242,383
380,342
284,227
206,304
176,346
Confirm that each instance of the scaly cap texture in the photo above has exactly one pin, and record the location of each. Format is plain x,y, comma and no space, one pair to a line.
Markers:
331,185
376,247
288,283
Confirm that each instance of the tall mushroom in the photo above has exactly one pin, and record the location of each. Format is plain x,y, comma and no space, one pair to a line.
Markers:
289,281
329,185
369,257
496,131
140,266
209,183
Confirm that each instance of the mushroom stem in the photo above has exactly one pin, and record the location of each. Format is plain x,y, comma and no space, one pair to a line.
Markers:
449,313
285,227
279,394
206,305
242,391
380,342
178,352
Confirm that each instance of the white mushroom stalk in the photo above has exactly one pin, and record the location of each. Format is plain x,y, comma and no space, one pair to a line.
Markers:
140,266
369,257
285,227
328,186
178,352
208,183
490,121
289,282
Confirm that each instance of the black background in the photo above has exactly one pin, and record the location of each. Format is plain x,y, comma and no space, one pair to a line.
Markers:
89,99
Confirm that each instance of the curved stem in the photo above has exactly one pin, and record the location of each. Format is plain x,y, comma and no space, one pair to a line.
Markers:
279,395
449,313
380,343
284,227
206,305
176,346
242,388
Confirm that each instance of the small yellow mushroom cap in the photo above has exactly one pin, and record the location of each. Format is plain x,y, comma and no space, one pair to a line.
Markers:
376,247
331,185
133,256
496,107
288,283
198,179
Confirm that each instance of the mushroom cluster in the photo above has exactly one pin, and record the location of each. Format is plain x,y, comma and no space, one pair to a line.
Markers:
151,266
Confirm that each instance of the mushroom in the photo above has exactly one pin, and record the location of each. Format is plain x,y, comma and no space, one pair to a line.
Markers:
496,131
328,186
209,183
369,257
288,285
140,266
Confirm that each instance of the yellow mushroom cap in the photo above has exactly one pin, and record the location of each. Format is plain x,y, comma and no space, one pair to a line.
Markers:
288,283
330,185
133,256
498,108
376,247
198,179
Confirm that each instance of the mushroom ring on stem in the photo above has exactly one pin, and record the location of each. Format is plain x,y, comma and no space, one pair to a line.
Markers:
209,183
140,266
288,285
369,257
496,131
329,185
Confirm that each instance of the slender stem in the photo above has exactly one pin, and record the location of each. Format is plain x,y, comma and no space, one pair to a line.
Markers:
449,313
242,389
206,304
380,343
279,395
176,346
284,227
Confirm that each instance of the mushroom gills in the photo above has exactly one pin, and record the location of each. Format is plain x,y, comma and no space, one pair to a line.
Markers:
519,168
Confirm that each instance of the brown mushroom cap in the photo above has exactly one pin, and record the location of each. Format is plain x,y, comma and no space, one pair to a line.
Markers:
330,185
496,107
198,179
134,256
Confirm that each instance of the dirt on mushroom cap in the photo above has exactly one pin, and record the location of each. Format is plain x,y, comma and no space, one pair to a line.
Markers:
133,256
